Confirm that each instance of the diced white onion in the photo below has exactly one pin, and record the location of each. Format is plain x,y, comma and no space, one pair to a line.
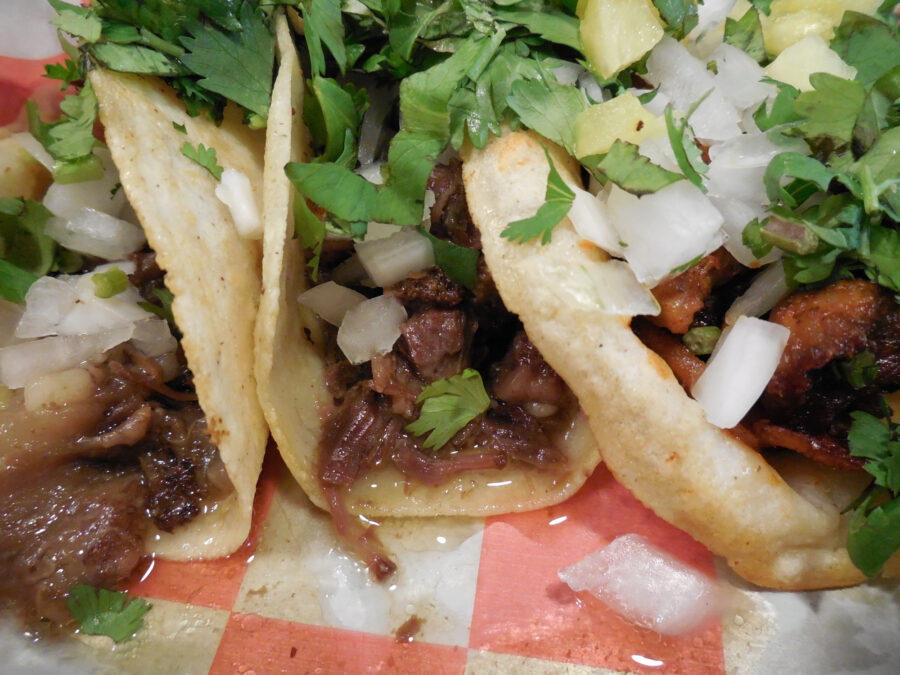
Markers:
646,586
658,149
591,221
373,129
331,301
739,370
153,337
97,234
737,167
390,260
428,201
666,229
589,86
372,172
376,230
33,147
67,200
710,14
234,190
685,80
371,328
739,77
10,315
767,289
568,73
737,215
48,301
27,361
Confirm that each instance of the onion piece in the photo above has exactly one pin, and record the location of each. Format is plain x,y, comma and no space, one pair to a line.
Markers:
646,585
97,234
67,200
739,369
737,215
665,230
153,337
390,260
331,301
591,221
376,230
234,190
767,289
33,147
25,362
739,77
371,328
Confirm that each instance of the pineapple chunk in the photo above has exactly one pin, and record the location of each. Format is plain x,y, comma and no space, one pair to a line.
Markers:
616,33
811,55
622,118
792,20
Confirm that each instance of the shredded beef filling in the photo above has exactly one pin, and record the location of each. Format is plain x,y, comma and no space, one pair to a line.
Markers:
807,404
80,484
449,328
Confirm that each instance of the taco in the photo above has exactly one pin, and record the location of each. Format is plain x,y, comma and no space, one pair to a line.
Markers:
342,424
118,440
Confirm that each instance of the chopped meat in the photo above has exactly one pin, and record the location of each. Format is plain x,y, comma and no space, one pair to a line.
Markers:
823,449
826,324
509,430
450,217
395,377
681,297
364,540
685,365
437,341
431,287
181,466
340,377
429,470
148,276
523,376
433,345
357,436
65,525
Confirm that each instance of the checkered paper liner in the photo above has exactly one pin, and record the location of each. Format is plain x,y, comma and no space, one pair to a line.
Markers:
484,590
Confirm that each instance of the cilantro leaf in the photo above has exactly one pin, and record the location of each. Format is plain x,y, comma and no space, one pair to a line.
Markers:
137,59
322,25
797,166
868,45
14,282
874,533
448,405
336,189
746,34
558,201
831,109
164,308
67,72
311,232
103,612
630,170
687,154
680,16
205,157
237,65
782,108
333,114
76,20
549,108
458,262
551,25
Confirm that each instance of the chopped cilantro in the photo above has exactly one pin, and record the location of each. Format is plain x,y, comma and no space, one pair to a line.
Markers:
459,263
76,20
746,34
875,524
205,157
102,612
448,405
630,170
557,203
701,340
14,282
180,128
164,308
680,16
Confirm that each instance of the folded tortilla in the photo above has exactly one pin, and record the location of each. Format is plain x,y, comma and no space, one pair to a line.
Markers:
212,272
290,364
778,524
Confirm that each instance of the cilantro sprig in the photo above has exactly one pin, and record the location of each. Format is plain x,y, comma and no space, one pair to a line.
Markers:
557,203
205,157
102,612
875,522
448,405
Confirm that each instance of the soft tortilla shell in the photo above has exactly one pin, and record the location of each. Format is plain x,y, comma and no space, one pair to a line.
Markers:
291,374
654,438
213,273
